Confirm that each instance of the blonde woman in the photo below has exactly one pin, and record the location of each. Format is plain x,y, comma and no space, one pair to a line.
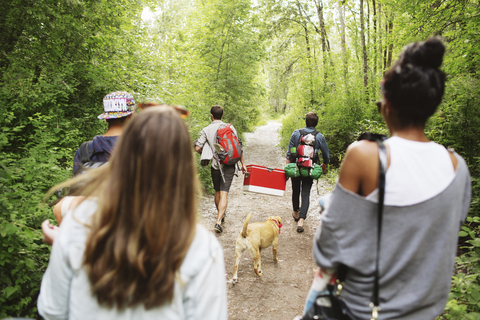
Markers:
133,248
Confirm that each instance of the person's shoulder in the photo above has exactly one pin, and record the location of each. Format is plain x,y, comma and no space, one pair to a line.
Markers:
362,150
101,139
84,145
360,156
319,135
80,214
203,248
205,238
459,163
359,165
103,143
75,224
212,124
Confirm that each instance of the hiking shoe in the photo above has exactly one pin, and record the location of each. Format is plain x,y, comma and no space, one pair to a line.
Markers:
217,228
295,213
224,216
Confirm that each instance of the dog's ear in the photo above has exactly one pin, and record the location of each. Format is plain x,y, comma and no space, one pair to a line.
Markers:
276,218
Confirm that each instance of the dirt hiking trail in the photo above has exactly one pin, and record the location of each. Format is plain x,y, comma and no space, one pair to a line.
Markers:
281,291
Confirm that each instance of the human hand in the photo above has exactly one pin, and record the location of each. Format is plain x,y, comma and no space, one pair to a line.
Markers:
49,232
244,169
324,168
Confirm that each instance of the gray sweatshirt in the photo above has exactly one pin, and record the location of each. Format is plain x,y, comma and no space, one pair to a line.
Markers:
417,250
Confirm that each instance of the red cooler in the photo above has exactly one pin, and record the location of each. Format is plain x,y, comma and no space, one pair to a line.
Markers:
265,180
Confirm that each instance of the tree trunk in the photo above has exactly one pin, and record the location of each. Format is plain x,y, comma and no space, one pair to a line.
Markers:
309,61
309,55
369,37
374,38
364,49
323,35
390,46
342,34
386,42
225,39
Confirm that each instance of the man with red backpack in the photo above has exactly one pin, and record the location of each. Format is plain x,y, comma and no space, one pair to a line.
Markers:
303,149
226,147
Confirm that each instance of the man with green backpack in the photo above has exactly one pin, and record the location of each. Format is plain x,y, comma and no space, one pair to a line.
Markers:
303,151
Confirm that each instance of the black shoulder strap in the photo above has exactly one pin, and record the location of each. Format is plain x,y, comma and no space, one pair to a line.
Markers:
303,133
342,269
85,153
382,168
315,135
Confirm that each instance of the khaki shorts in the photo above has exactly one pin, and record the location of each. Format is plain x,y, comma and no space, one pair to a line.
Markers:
218,184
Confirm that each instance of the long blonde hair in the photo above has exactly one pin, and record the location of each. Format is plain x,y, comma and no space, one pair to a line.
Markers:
146,214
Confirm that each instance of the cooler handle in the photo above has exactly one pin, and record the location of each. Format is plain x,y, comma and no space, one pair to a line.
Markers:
270,169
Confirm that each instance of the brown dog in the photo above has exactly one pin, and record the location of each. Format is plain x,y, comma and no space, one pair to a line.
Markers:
256,237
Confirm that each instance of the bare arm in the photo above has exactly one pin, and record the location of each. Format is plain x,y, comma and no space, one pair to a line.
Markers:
242,161
50,231
62,207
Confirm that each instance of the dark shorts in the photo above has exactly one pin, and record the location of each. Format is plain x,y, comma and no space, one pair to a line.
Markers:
218,184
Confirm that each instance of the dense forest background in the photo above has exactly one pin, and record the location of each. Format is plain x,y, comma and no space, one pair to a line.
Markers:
258,59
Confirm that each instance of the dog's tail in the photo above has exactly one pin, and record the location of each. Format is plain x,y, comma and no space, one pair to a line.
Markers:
245,225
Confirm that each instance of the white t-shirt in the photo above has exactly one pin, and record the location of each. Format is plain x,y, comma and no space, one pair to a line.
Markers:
65,292
418,171
66,205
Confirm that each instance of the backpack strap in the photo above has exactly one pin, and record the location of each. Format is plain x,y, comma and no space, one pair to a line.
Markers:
303,133
84,152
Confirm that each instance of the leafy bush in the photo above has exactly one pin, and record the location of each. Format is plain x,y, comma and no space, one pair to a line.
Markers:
464,298
24,178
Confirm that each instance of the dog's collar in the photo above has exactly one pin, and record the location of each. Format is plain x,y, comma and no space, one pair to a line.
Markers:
279,225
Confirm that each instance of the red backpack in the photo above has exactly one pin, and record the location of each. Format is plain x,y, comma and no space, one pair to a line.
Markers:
232,149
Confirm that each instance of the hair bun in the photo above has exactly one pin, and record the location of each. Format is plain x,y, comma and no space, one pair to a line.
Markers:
428,54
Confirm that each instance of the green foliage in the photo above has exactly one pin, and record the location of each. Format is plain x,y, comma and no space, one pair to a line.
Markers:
24,179
58,60
464,298
261,59
327,77
457,125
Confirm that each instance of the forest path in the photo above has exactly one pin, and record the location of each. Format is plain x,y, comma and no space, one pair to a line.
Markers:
281,291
